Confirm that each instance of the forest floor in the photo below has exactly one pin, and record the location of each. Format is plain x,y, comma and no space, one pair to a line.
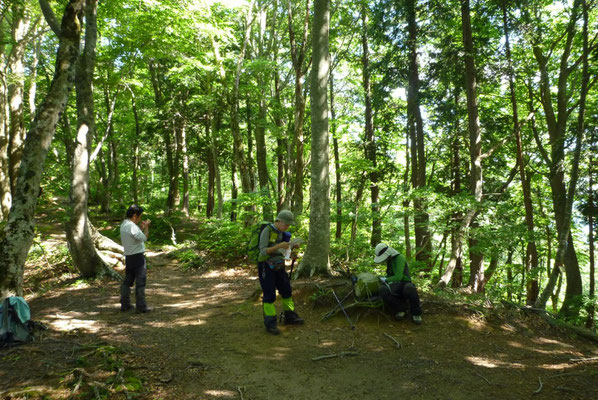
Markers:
205,339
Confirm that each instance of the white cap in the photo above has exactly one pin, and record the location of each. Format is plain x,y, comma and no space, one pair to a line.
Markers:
382,252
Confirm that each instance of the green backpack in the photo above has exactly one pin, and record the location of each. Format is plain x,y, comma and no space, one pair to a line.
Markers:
367,285
253,246
15,323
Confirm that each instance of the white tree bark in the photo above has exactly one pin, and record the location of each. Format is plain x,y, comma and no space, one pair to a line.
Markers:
19,230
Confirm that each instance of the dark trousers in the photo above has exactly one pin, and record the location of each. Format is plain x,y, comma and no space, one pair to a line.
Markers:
272,280
135,273
398,295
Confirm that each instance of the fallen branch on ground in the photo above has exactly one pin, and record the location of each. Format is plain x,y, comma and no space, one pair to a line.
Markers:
540,388
483,377
341,354
399,345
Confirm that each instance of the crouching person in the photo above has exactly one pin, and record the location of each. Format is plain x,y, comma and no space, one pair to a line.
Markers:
274,241
397,288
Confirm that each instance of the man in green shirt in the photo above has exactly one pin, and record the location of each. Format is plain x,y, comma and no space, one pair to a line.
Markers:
397,288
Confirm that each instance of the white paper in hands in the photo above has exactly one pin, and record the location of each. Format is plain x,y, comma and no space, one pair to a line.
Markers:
292,244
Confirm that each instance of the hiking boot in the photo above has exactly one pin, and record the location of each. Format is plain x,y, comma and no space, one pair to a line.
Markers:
273,330
417,319
125,308
270,323
400,315
143,310
291,318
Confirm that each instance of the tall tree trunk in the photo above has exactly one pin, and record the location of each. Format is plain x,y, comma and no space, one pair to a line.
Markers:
185,156
406,225
250,161
210,159
298,56
531,254
592,207
476,267
423,242
356,206
82,249
337,164
241,156
172,139
457,217
136,161
260,129
370,142
104,189
475,140
262,167
20,28
216,131
315,260
281,144
20,228
5,191
562,196
475,147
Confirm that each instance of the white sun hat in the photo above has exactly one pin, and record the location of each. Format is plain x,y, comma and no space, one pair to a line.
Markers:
382,252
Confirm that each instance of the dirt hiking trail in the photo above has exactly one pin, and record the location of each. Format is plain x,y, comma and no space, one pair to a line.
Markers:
205,340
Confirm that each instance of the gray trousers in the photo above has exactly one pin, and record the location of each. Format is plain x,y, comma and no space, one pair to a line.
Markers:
135,273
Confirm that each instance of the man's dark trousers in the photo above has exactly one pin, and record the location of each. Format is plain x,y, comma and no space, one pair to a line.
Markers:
135,273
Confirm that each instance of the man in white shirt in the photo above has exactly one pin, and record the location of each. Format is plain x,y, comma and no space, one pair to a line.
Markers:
133,235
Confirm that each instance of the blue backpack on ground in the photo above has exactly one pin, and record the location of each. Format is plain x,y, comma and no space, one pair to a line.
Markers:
15,321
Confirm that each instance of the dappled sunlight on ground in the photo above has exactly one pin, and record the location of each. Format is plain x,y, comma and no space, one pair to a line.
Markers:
547,341
554,351
66,323
492,363
205,339
222,394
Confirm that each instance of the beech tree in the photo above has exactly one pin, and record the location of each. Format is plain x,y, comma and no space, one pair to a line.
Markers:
19,230
315,259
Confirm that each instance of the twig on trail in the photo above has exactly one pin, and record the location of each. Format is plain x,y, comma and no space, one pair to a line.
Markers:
76,388
241,390
584,359
341,354
483,377
540,388
399,345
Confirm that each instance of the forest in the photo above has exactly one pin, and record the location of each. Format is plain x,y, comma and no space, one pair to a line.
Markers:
464,133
